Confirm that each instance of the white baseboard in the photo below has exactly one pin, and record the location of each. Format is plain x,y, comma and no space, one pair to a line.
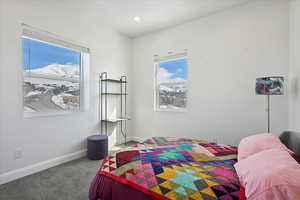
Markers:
31,169
137,139
131,138
122,140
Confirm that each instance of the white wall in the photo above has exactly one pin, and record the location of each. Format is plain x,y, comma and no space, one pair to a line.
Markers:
1,82
294,100
45,138
226,51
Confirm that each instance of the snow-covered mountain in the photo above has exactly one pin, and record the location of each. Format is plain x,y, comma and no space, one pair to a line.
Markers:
173,88
165,88
56,71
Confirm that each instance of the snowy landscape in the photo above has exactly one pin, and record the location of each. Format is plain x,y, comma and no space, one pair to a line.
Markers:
52,88
172,96
172,84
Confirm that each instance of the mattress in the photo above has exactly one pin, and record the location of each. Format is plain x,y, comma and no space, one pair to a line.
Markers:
168,168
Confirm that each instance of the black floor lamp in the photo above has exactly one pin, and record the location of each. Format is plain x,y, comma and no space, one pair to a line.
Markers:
273,85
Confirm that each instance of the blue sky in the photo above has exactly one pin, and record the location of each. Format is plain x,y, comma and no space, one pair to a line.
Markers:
178,68
38,54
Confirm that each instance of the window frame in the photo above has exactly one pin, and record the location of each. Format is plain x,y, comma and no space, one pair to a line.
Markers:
83,86
156,85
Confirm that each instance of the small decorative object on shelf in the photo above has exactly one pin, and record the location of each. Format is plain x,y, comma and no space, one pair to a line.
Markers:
104,81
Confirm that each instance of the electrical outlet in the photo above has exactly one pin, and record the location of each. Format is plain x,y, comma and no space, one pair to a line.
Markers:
18,154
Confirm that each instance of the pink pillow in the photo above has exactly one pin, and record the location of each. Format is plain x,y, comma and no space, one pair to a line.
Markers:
271,174
257,143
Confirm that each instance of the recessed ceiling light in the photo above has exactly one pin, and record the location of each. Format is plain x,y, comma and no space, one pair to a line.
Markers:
137,18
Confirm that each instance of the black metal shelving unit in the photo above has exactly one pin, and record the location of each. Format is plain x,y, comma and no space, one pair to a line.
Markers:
103,103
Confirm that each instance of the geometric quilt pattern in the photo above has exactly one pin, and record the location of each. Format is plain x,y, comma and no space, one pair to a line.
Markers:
177,169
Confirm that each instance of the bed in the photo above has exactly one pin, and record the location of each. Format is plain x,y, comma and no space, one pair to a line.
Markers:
168,168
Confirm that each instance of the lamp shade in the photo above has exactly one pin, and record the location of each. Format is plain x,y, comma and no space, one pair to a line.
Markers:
273,85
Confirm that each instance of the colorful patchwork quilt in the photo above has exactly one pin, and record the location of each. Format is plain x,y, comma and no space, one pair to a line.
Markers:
176,169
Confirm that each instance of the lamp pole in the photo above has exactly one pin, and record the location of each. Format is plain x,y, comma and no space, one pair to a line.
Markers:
268,110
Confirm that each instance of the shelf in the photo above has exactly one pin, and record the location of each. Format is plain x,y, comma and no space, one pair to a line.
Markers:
119,94
115,120
114,80
114,93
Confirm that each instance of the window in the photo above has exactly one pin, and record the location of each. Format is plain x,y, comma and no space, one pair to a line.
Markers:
171,84
53,74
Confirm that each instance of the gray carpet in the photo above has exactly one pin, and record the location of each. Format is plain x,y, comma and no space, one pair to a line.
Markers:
69,181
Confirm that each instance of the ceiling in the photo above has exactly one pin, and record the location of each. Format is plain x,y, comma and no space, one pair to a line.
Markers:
156,14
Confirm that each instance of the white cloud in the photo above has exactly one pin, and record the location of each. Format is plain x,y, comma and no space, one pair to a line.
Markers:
179,70
164,75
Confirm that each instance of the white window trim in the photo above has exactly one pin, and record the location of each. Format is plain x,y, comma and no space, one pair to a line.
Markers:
47,37
83,81
156,85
